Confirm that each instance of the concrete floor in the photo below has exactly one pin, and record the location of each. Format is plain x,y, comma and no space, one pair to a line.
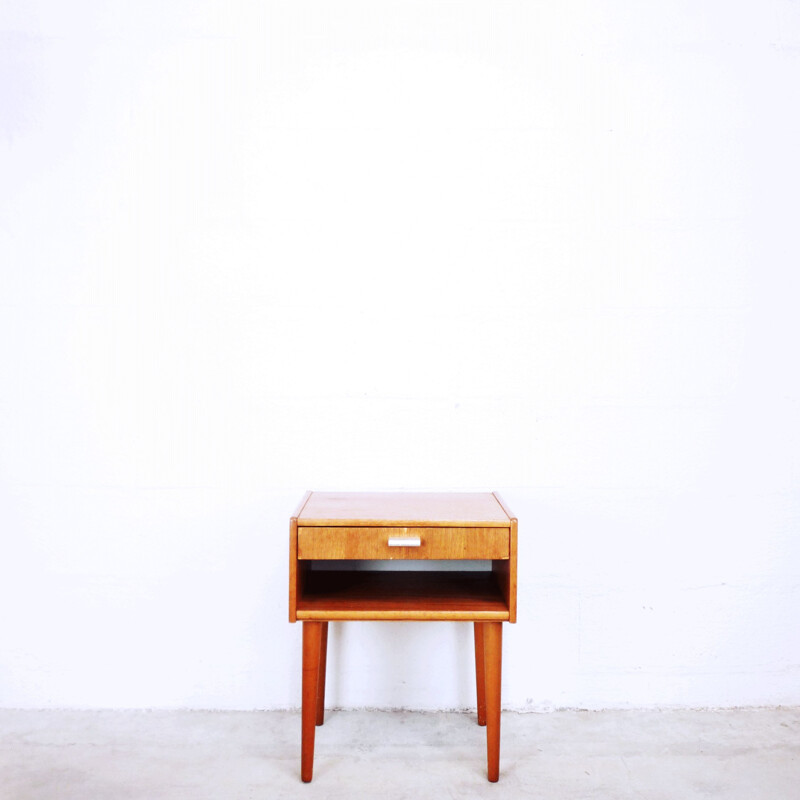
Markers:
88,755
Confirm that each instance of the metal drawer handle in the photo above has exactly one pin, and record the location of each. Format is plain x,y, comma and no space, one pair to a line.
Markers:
405,541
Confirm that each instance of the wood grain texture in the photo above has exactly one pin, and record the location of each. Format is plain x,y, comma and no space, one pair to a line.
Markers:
349,542
295,572
511,594
506,572
323,667
312,640
432,509
294,580
402,595
493,658
480,673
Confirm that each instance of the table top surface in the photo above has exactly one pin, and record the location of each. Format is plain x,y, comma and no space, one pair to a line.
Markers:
456,509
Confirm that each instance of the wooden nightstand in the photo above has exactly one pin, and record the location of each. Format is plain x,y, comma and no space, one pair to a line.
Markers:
342,526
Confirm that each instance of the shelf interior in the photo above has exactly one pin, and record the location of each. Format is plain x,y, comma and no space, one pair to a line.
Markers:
351,594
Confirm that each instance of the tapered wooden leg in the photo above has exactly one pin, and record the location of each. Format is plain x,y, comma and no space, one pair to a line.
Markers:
480,673
493,660
312,639
323,658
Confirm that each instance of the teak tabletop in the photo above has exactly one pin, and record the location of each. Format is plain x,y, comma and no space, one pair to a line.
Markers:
331,529
464,509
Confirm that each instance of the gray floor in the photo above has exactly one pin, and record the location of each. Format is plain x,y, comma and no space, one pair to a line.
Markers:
747,754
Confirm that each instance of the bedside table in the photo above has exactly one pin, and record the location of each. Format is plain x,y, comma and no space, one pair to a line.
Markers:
425,526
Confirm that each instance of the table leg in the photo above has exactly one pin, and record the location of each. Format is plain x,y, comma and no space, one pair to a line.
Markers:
312,641
493,657
323,658
480,673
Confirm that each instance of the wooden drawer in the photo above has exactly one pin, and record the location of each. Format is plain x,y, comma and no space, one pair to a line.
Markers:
374,543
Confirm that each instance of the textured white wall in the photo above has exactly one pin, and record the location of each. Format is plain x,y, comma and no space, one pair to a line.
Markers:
252,248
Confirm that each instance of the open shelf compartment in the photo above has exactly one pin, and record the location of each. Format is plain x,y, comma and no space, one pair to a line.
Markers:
428,595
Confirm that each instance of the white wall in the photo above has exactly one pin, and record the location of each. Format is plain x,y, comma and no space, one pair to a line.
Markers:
252,248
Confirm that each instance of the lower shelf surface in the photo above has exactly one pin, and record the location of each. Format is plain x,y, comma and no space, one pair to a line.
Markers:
401,595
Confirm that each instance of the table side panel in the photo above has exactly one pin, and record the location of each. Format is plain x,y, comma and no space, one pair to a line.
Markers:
506,572
293,570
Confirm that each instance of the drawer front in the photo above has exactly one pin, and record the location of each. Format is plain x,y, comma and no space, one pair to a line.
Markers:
402,543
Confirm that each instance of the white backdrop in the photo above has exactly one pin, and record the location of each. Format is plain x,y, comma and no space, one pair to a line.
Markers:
251,248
